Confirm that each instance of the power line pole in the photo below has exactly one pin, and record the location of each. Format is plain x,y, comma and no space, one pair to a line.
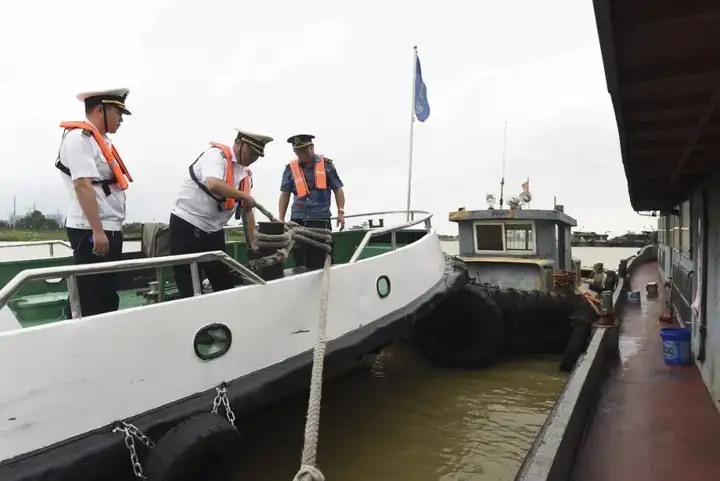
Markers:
14,217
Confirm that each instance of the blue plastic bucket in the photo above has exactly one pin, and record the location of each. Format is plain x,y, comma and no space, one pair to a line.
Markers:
676,346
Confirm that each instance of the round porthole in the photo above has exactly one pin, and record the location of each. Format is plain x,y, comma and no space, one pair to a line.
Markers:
383,286
212,341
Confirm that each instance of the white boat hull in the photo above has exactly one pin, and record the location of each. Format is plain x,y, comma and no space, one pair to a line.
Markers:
71,378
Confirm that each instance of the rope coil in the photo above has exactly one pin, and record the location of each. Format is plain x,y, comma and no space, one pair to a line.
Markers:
284,243
321,239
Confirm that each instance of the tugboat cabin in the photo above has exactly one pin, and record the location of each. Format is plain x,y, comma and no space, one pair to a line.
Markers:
515,248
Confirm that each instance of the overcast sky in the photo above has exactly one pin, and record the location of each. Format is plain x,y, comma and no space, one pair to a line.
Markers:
338,69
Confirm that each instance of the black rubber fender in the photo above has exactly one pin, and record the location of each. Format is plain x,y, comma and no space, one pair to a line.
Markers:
201,448
576,346
511,301
466,331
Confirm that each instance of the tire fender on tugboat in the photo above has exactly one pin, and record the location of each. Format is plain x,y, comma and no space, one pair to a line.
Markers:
467,330
201,448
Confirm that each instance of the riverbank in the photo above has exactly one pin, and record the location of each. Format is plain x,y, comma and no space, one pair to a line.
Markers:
24,235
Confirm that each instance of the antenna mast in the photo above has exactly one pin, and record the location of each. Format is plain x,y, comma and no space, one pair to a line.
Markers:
502,179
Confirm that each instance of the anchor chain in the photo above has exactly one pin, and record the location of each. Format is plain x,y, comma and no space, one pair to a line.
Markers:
131,433
221,398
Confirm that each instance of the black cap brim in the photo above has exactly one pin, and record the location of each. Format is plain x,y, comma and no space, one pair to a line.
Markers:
301,141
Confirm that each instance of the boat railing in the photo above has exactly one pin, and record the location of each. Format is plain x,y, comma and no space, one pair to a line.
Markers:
423,217
72,272
50,243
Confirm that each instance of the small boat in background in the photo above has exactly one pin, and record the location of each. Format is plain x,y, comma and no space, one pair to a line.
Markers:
524,295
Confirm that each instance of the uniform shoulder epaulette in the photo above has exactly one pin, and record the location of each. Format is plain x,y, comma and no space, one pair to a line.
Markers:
287,166
329,161
87,132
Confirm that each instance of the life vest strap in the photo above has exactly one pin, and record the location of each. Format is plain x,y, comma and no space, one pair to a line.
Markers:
220,202
104,183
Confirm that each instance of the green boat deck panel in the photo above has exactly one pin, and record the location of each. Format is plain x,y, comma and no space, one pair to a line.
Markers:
45,301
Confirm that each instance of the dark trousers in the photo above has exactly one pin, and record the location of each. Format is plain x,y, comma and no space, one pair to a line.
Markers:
185,238
306,255
98,292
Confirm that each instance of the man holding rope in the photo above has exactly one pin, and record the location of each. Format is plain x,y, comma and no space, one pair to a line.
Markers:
217,182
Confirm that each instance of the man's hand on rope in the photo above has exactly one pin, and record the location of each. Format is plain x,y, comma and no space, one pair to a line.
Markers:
248,201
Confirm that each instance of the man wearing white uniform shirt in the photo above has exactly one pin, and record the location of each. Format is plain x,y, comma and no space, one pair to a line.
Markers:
218,182
96,178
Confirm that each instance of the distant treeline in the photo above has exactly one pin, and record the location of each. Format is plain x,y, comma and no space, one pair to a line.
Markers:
36,221
34,226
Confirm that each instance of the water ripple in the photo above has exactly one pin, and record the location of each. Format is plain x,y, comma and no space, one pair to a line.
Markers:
402,419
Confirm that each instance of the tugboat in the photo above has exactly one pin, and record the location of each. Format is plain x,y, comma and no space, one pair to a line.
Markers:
524,294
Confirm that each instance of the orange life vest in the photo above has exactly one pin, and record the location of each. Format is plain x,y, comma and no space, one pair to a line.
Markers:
245,183
301,187
121,176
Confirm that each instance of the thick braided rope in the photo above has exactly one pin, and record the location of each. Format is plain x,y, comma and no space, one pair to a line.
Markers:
319,238
308,471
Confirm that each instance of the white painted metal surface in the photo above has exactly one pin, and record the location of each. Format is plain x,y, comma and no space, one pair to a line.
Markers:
8,321
63,379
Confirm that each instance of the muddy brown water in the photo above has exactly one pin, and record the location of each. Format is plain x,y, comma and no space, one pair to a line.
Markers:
402,419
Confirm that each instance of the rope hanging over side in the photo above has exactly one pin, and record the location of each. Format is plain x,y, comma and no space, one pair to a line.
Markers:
321,239
308,470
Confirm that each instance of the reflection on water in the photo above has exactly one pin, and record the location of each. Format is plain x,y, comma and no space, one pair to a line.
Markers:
403,419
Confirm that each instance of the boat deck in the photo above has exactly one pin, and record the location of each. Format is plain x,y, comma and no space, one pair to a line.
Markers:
652,422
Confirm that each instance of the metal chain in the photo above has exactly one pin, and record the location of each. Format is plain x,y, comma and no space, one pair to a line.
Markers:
131,432
221,398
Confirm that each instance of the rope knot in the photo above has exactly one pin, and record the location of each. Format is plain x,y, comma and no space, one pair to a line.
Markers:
309,473
284,243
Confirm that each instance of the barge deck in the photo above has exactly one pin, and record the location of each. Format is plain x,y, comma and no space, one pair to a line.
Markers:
651,421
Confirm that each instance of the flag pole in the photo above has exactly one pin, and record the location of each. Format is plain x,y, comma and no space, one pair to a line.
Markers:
412,128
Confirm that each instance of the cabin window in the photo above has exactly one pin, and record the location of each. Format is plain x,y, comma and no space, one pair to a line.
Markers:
489,237
519,237
685,221
505,237
661,230
679,227
674,231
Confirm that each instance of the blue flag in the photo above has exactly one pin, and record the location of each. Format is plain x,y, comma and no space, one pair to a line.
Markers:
422,107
